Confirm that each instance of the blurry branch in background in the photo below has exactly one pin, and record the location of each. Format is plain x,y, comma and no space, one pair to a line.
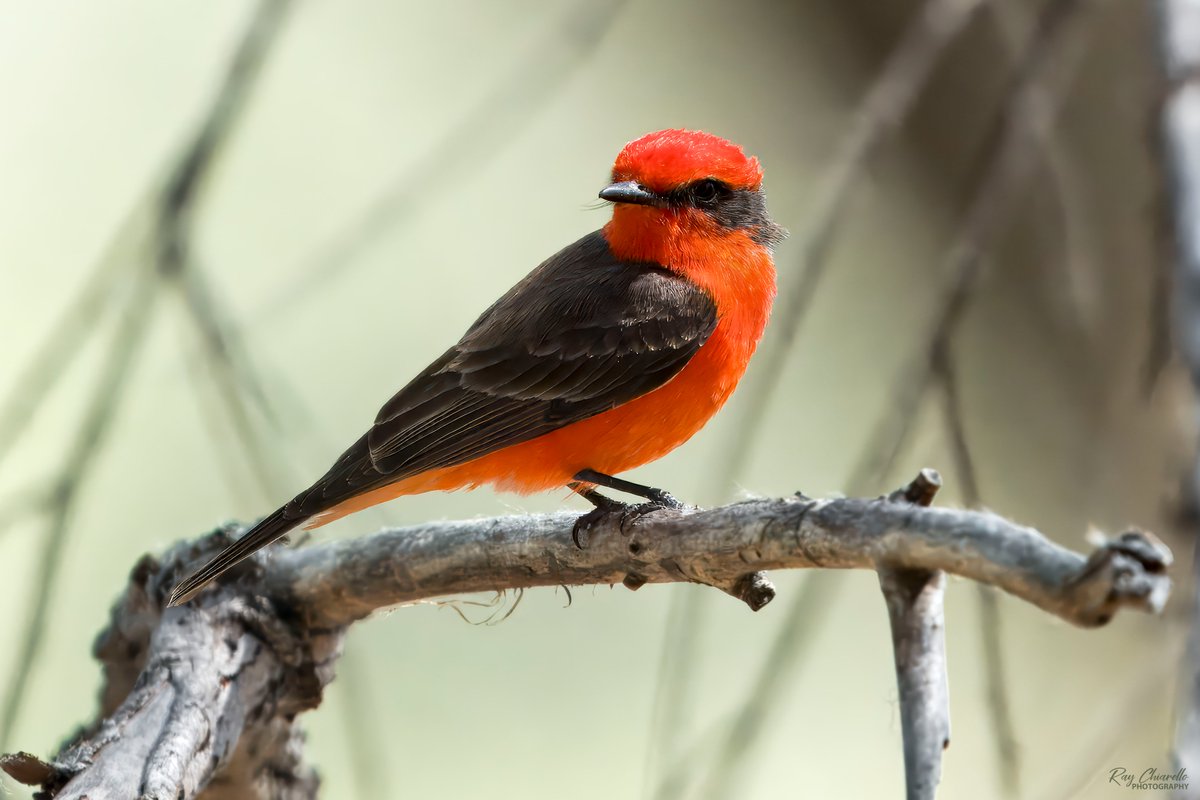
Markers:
1042,68
211,690
502,112
139,264
54,356
1003,169
1105,728
1080,257
77,465
230,371
991,631
231,376
1179,35
880,115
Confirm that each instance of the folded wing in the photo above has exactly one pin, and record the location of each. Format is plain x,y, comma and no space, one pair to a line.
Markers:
582,334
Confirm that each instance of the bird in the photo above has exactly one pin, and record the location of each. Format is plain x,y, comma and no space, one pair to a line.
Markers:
607,356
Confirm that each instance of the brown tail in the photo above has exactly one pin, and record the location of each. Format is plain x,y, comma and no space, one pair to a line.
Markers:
268,530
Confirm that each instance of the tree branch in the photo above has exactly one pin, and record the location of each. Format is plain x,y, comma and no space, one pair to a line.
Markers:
916,612
220,681
337,583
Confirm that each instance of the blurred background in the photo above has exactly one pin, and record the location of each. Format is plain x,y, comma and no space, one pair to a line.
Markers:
230,230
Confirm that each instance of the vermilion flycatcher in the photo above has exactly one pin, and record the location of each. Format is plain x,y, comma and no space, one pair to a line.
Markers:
609,355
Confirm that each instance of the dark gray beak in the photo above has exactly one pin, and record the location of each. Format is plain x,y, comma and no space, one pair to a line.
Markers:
629,192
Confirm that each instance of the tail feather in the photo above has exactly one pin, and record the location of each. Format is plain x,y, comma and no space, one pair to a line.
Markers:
264,533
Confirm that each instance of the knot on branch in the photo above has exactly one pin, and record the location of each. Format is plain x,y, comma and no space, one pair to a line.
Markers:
1129,570
754,589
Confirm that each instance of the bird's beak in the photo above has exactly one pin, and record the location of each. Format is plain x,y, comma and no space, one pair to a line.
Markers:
629,192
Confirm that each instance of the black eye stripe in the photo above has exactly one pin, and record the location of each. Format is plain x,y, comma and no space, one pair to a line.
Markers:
706,193
729,207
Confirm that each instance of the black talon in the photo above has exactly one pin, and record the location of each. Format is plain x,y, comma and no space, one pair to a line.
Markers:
585,523
603,507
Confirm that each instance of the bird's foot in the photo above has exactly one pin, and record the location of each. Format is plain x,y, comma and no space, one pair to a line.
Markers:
627,515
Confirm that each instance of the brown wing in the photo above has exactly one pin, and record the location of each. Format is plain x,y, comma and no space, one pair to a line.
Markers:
582,334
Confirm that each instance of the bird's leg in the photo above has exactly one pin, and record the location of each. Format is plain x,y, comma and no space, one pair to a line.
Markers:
656,496
584,484
601,502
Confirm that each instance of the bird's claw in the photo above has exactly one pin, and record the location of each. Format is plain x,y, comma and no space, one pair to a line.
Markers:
584,524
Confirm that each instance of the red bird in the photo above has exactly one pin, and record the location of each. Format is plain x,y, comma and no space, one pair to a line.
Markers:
609,355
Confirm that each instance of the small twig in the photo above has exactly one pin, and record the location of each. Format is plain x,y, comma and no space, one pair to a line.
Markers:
915,602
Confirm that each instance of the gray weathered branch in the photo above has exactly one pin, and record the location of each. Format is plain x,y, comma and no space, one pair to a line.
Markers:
203,698
339,582
915,603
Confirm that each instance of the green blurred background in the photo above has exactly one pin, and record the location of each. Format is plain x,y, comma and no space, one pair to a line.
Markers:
395,168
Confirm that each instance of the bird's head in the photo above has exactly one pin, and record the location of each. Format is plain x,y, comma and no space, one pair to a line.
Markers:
673,190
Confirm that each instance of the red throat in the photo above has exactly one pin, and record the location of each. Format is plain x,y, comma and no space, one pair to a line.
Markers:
736,271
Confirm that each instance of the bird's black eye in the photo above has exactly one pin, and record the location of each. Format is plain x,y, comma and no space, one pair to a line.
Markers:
706,193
